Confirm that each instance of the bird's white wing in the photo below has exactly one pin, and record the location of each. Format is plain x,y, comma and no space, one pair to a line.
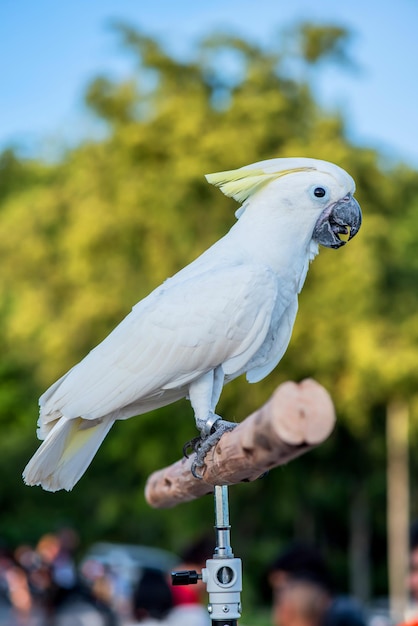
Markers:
170,338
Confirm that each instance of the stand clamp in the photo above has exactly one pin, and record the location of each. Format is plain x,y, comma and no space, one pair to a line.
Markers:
223,573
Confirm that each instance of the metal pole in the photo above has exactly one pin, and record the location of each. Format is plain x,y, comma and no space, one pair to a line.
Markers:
222,528
223,573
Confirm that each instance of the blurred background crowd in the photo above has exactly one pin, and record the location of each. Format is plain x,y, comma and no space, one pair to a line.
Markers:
50,584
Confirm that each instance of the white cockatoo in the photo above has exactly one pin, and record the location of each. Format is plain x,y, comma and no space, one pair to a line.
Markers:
230,312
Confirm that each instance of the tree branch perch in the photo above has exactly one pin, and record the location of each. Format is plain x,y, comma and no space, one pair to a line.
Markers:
297,418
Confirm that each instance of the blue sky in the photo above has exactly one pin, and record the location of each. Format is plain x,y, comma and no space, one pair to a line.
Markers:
50,49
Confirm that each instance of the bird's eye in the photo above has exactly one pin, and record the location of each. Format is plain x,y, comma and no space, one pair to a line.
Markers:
319,192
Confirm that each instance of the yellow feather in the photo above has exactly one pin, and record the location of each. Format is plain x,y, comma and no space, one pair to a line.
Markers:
242,183
80,433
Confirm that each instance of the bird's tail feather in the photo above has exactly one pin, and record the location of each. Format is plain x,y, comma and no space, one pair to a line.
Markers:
66,453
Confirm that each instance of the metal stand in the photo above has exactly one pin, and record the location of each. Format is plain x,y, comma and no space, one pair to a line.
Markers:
223,573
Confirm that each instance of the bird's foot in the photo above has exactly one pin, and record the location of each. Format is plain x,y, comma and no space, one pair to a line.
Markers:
202,445
206,427
191,446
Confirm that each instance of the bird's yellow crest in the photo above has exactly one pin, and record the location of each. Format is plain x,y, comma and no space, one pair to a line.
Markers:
242,183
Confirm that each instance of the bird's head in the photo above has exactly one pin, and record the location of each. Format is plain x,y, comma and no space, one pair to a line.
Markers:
320,192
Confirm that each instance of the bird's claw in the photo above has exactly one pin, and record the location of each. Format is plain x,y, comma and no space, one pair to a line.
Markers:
201,445
193,445
194,472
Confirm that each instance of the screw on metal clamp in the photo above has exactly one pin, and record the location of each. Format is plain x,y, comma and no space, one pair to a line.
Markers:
185,577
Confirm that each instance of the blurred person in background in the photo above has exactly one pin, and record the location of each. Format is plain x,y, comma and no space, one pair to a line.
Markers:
303,593
301,600
413,565
16,606
298,560
152,599
301,587
344,612
411,614
62,597
190,601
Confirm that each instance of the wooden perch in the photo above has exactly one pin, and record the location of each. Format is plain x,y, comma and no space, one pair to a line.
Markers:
297,418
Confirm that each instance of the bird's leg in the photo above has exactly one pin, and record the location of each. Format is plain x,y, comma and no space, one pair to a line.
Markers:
201,398
204,395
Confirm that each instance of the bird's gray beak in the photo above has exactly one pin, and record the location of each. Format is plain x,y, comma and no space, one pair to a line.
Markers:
343,218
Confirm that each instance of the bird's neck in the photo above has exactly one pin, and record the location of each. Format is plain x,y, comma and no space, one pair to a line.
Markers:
277,240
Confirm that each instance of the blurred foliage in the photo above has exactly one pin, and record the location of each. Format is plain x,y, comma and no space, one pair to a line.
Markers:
326,42
84,239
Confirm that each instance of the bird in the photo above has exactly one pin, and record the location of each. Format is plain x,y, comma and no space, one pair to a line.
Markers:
229,312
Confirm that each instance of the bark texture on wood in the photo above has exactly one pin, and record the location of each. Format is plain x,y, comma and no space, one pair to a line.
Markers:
297,418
